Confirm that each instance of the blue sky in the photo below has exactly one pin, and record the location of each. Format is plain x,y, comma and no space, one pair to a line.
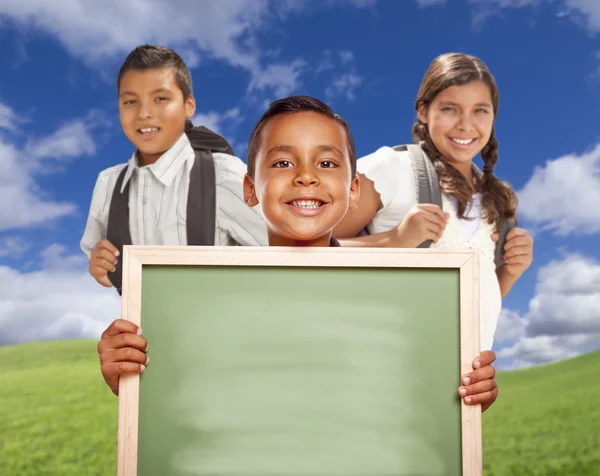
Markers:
59,128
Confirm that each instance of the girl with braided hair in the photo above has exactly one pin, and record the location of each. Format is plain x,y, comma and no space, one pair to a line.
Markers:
456,106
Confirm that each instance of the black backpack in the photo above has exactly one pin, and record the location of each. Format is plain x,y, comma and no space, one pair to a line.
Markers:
201,203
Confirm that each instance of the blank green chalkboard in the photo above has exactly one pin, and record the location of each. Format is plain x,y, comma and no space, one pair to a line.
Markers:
300,362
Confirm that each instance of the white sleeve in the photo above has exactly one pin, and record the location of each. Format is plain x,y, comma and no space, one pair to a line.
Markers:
95,228
392,175
245,225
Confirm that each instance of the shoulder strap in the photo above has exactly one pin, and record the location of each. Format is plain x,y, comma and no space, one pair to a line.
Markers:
201,203
117,231
427,185
503,229
202,138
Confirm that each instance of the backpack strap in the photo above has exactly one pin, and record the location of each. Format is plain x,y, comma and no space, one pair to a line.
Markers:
117,231
427,185
503,229
201,203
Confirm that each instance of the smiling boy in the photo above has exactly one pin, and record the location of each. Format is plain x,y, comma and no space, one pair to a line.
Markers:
301,171
154,199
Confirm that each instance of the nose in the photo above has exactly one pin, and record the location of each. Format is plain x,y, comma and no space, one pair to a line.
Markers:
465,123
306,176
144,110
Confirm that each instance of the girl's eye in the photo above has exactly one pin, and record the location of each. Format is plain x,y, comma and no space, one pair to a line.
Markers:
481,110
328,164
448,109
282,164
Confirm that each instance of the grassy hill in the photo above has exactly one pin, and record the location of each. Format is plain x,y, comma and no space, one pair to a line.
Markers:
57,417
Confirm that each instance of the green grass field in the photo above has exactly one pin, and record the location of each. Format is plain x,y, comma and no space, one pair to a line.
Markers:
58,418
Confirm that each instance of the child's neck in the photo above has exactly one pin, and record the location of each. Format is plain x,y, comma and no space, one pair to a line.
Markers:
276,240
147,159
466,170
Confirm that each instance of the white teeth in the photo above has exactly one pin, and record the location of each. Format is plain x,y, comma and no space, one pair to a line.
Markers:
149,129
307,203
463,142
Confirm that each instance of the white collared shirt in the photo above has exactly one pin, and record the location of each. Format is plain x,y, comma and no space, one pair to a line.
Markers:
158,201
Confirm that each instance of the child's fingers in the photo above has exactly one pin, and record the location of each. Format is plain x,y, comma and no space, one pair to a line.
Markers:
105,255
123,340
117,369
107,245
518,250
121,325
486,357
101,267
104,281
477,388
485,398
521,241
484,373
126,354
435,210
516,232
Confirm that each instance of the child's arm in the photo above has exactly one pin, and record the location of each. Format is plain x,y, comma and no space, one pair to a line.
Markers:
103,261
423,222
122,350
518,256
100,252
357,218
480,386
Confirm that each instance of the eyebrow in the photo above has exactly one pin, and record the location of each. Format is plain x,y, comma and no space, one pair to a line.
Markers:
479,104
159,90
321,148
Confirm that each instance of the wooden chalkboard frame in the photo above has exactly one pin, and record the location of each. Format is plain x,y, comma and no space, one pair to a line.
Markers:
467,261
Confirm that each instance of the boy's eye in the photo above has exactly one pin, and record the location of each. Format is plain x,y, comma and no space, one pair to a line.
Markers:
282,164
161,98
128,102
327,164
448,109
482,110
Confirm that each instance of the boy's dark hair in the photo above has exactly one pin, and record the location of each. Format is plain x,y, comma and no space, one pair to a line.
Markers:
153,57
293,105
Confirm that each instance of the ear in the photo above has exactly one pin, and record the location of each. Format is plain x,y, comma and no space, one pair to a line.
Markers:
190,107
354,192
249,192
422,113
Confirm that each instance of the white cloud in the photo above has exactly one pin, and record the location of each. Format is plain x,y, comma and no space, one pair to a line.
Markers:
344,77
13,247
100,31
22,203
70,140
344,85
216,121
60,301
563,195
563,319
8,119
584,12
281,78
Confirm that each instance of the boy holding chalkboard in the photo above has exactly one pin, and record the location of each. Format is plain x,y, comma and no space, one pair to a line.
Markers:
302,173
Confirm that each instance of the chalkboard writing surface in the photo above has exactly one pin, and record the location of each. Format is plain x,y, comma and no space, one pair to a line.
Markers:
285,361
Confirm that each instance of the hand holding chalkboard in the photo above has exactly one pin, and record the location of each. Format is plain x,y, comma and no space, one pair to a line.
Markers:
122,351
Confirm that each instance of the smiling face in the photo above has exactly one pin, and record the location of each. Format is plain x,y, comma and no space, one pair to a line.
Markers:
302,179
460,120
153,111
